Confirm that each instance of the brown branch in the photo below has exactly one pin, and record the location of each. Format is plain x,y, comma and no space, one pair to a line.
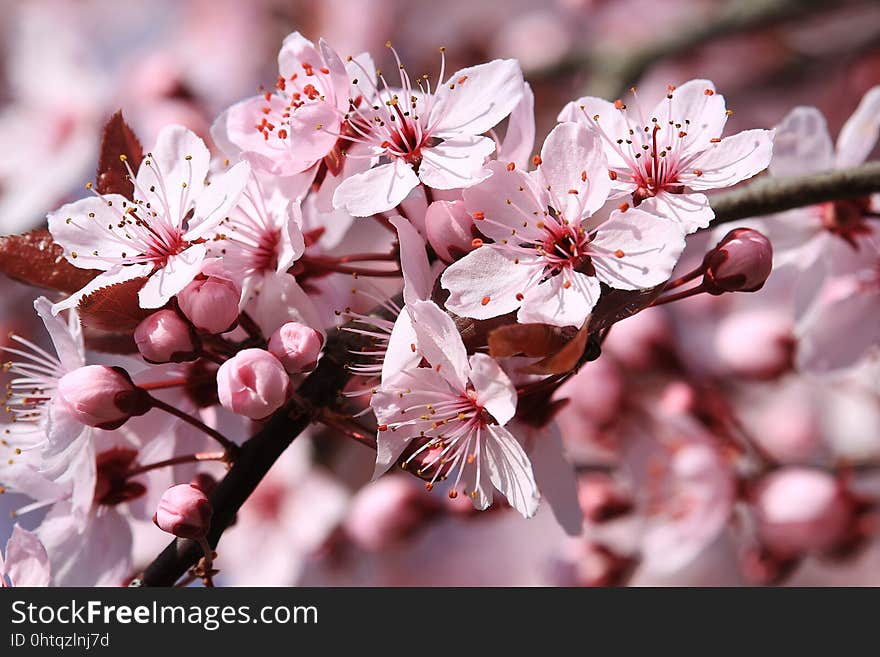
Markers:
768,195
612,72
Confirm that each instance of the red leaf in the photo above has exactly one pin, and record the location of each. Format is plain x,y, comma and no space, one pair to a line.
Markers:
35,259
566,359
527,340
118,140
109,342
114,308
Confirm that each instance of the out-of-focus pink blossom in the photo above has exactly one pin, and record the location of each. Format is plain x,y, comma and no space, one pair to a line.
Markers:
757,344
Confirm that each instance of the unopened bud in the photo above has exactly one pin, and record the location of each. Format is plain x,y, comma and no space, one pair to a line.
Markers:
164,337
450,229
740,262
297,346
101,396
184,510
211,300
252,383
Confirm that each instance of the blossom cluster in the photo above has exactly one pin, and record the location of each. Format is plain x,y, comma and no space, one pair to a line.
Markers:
479,271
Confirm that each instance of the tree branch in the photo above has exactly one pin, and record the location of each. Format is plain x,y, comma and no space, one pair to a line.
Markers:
768,195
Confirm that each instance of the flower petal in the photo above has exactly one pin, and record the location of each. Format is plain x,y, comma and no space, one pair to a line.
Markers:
89,225
377,190
456,162
218,199
27,563
486,282
68,345
600,116
494,390
511,471
702,115
554,475
859,134
551,302
418,281
638,250
177,273
574,170
477,98
802,144
731,160
519,140
691,211
440,343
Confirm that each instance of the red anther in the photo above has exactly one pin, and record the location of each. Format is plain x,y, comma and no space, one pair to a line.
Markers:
511,166
477,243
612,175
584,176
280,84
324,70
536,160
462,79
619,253
266,109
618,104
479,216
308,69
485,300
573,191
310,91
282,134
709,92
715,140
623,207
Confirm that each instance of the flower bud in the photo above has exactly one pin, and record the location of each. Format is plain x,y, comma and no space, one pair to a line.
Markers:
740,262
211,300
184,510
101,396
800,510
297,346
756,344
164,337
449,229
252,383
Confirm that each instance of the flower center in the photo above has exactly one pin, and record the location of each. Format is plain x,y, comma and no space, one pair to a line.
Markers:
847,219
112,486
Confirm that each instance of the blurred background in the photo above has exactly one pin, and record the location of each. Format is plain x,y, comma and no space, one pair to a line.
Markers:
65,66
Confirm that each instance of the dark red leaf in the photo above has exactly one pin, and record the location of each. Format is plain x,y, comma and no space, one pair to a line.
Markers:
35,259
114,308
118,140
534,340
109,342
566,359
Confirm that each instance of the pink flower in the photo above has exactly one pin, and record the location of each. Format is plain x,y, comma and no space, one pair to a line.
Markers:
427,135
165,337
152,235
184,511
451,417
547,260
292,127
252,383
211,300
26,562
101,396
297,347
666,156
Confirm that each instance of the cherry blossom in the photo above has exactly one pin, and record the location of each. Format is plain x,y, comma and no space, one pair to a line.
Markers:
419,134
455,411
159,234
665,156
546,258
26,562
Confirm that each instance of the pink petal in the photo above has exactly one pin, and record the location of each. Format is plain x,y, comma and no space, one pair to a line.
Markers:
554,475
68,345
599,115
440,343
177,273
506,200
377,190
801,144
480,97
218,199
859,134
511,471
691,211
519,140
313,132
418,281
706,113
76,231
494,390
552,303
118,274
456,162
27,563
731,160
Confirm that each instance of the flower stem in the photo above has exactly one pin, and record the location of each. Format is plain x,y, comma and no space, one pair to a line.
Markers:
678,296
230,447
189,458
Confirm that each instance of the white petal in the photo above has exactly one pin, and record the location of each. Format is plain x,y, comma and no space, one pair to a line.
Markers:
485,283
859,134
281,300
706,113
574,167
691,211
456,162
555,476
27,563
69,350
511,471
731,160
177,273
650,245
801,144
552,302
295,51
178,167
440,342
494,390
519,140
418,281
602,117
377,190
217,200
77,232
480,97
401,353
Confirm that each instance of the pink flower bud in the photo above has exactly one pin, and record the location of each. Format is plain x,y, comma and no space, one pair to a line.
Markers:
101,396
756,344
450,229
387,511
297,346
164,337
740,262
252,383
211,301
184,510
800,510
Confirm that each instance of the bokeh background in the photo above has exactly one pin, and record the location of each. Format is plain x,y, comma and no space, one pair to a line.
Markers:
66,65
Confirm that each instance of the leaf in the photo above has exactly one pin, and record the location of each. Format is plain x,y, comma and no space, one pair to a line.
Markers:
566,359
118,140
109,342
114,308
527,340
615,305
34,258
